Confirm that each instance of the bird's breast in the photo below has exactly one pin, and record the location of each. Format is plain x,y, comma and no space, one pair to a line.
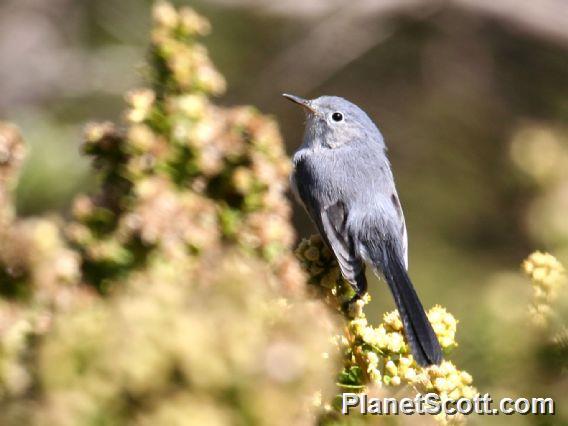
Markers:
343,174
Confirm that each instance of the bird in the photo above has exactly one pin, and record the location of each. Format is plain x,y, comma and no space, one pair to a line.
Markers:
342,177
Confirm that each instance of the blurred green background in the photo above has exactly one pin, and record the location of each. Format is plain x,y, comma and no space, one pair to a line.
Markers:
471,96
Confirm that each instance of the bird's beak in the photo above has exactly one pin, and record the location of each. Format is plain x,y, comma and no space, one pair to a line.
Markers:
305,103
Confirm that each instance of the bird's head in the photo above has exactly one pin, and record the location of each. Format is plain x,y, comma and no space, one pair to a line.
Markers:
333,121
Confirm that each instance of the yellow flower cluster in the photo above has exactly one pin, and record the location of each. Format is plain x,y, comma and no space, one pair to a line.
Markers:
445,326
547,276
380,356
546,311
388,341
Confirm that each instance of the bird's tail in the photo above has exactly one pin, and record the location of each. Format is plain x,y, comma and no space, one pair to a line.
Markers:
419,333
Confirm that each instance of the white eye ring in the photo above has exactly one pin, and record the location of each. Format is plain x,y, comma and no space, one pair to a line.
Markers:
337,117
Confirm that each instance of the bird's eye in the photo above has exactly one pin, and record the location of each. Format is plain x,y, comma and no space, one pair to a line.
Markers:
337,116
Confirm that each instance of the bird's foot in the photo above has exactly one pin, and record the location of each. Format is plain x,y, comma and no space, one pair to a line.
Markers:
353,308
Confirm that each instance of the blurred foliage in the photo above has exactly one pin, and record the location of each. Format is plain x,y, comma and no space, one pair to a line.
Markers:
175,298
473,110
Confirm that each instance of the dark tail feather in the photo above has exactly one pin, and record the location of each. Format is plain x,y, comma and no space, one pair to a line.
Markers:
419,333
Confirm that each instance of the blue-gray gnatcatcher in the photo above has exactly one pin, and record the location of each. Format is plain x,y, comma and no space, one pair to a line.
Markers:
343,178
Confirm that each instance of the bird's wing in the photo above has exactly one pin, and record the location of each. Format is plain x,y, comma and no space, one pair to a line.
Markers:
333,222
330,218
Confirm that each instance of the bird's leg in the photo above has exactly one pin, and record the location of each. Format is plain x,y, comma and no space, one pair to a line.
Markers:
360,287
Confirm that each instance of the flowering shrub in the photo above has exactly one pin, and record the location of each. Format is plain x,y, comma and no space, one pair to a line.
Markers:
172,296
548,277
186,175
379,356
